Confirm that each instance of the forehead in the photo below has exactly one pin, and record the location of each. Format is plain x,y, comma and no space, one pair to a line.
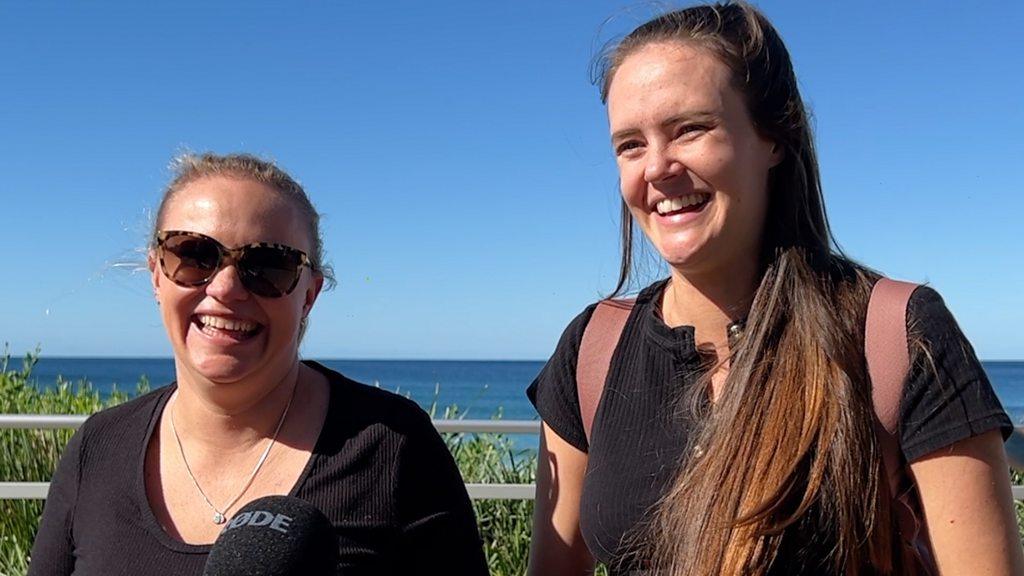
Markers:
680,76
235,211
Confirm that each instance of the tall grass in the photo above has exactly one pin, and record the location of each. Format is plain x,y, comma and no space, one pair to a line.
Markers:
504,524
31,455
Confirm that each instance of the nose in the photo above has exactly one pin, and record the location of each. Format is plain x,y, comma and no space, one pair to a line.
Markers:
661,166
226,285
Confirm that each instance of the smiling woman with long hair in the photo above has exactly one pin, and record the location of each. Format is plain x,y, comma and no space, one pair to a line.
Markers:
736,432
236,263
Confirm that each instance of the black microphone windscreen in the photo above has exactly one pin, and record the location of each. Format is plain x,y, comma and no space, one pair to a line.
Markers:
275,536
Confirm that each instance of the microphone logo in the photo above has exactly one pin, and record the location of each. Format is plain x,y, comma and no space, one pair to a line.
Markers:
275,536
278,522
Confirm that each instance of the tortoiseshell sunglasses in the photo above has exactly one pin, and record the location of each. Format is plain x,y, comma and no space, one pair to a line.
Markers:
265,269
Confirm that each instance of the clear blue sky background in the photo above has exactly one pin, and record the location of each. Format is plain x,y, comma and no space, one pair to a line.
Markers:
460,157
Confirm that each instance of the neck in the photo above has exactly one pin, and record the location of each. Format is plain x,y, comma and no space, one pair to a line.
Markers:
235,416
710,302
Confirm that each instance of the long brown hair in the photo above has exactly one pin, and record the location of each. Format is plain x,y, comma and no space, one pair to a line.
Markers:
786,463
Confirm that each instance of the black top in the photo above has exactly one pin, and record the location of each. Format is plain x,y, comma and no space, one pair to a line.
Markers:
638,433
379,471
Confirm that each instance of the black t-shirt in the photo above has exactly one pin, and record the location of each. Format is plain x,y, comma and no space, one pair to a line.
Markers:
639,433
379,471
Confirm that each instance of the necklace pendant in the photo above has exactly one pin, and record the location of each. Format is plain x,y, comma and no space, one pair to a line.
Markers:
218,518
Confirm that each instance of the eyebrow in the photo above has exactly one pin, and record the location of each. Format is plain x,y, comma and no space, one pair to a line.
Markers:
701,116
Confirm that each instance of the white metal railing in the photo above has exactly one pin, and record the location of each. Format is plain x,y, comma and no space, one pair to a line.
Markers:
55,421
37,490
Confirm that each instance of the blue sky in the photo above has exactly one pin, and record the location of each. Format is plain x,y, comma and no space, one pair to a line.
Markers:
460,157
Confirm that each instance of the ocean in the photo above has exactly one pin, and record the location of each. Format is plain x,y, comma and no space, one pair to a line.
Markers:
480,389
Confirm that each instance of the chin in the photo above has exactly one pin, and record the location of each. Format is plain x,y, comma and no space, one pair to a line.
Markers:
224,366
680,257
223,370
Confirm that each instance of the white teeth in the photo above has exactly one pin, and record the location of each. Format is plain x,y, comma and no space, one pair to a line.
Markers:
672,204
226,324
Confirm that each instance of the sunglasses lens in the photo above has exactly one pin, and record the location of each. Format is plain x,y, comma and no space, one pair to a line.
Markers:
270,271
188,260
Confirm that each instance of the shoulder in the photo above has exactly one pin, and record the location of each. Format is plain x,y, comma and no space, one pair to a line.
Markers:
568,347
102,452
129,418
927,313
373,437
553,392
947,396
933,334
573,334
363,406
929,322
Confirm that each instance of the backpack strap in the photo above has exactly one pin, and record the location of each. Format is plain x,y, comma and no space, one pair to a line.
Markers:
600,338
885,346
888,357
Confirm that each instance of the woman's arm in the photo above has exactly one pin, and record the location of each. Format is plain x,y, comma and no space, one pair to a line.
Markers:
967,502
557,547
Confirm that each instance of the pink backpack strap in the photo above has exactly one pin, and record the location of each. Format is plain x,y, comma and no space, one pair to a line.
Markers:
888,356
600,338
885,345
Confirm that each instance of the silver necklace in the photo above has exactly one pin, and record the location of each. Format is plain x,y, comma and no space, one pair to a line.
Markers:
219,516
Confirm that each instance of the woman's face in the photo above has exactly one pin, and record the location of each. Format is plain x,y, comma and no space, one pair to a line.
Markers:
693,169
220,331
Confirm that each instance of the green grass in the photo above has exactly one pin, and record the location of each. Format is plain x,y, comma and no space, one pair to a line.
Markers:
31,455
1017,477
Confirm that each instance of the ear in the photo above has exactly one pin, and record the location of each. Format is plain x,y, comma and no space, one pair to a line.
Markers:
778,154
154,270
312,292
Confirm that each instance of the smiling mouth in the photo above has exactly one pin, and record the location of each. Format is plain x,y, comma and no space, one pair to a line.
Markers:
218,326
682,204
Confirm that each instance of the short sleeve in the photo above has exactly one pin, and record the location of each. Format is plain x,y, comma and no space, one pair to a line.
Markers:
947,396
53,550
437,519
553,392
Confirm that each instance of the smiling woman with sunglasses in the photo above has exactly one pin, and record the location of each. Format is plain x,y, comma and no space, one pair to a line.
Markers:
146,487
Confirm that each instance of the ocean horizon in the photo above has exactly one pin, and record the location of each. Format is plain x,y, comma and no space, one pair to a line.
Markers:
478,388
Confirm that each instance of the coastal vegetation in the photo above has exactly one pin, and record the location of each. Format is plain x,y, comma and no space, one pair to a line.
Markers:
31,456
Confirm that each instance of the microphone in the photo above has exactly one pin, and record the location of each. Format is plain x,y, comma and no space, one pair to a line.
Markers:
275,536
